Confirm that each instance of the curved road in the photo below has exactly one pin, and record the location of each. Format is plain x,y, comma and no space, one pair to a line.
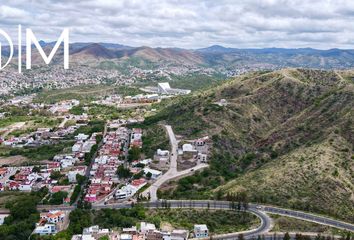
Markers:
264,227
259,210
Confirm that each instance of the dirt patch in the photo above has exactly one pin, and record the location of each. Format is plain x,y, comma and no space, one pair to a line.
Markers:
13,160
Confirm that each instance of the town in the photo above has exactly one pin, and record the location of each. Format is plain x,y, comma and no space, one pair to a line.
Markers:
102,163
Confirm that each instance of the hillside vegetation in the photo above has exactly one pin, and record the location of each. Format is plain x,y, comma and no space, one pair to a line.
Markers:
284,137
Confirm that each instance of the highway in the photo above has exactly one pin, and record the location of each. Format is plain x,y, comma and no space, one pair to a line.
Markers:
259,210
309,217
264,227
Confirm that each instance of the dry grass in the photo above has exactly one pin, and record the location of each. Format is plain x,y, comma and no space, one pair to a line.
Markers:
13,160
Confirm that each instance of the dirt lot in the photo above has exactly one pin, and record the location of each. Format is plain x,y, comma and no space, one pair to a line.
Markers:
13,160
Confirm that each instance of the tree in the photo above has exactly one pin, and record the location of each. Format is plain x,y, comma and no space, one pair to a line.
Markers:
348,236
79,219
148,175
286,236
22,208
80,179
138,175
55,175
298,236
36,169
134,153
241,237
123,172
75,194
58,197
104,238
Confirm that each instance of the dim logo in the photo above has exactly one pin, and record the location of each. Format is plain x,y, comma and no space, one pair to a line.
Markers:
31,41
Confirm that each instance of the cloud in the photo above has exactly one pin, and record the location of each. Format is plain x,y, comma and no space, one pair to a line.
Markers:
189,24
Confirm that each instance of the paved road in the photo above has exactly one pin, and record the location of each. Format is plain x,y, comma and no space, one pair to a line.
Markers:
309,217
172,172
259,210
264,227
88,169
152,190
65,120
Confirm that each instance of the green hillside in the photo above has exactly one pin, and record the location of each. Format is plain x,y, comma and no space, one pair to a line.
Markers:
284,137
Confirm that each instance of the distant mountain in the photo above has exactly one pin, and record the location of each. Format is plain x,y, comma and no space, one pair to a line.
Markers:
172,55
216,56
216,49
94,50
232,58
154,55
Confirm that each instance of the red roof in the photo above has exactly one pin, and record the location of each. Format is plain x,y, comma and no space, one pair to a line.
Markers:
138,182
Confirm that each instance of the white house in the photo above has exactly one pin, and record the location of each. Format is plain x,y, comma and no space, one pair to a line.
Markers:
53,216
126,236
146,227
72,174
125,192
2,218
76,147
27,186
81,137
67,162
154,173
188,148
162,152
46,229
201,231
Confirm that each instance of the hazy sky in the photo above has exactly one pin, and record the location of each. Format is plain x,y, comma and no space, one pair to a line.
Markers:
187,23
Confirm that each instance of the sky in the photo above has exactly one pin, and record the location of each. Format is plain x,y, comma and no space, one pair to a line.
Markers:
187,23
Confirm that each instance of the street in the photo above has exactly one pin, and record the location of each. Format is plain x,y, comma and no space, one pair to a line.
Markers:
172,172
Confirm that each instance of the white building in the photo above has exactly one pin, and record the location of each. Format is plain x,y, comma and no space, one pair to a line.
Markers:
72,174
81,137
76,147
146,227
2,218
154,173
126,236
53,216
46,229
163,88
162,152
188,148
179,234
201,231
125,192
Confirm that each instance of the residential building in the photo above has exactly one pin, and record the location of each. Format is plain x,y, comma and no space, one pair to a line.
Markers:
201,231
179,234
2,218
45,229
154,173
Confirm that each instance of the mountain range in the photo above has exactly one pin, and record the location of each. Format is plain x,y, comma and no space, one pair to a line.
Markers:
216,56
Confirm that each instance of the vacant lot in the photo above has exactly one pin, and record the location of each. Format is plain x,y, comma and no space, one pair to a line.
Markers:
13,160
218,221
